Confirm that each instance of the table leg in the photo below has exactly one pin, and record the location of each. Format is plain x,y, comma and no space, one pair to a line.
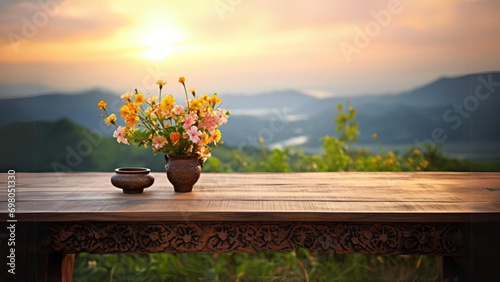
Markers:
483,254
60,267
68,263
452,268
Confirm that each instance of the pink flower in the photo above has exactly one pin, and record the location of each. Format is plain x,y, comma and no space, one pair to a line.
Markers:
210,121
222,116
178,109
189,121
119,134
194,134
158,142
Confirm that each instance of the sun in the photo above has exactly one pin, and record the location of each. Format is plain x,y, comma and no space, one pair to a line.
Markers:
159,43
156,53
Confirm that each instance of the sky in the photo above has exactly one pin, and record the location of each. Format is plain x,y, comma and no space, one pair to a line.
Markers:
324,48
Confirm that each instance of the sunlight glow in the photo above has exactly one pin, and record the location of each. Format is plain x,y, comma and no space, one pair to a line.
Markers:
159,43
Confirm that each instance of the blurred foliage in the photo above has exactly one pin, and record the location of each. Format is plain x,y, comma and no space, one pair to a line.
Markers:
340,154
298,265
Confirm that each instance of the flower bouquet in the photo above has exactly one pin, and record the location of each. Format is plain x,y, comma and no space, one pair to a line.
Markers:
186,135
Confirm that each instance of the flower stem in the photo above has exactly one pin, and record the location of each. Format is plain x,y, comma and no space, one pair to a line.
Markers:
187,99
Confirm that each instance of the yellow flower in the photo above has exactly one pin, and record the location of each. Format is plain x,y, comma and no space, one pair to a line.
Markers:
182,79
204,109
126,96
195,104
139,99
217,135
128,109
111,119
101,104
204,98
417,168
390,155
374,136
214,99
410,160
167,103
416,152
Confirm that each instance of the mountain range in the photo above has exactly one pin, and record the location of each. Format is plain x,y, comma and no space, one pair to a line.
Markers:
457,110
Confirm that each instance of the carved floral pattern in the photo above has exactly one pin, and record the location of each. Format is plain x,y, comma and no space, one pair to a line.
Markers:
153,237
421,239
223,237
119,238
189,238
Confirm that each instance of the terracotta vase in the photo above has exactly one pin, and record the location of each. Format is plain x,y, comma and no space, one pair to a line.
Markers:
183,171
132,180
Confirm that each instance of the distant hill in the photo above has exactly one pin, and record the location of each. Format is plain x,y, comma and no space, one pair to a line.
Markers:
288,98
81,108
65,146
279,117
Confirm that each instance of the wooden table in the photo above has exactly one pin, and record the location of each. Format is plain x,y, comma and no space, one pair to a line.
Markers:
454,215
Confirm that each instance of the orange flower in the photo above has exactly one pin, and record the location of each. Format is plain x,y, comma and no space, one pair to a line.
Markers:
174,137
204,139
129,112
101,105
182,79
131,120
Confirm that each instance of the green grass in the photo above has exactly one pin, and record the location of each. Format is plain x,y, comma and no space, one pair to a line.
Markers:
293,266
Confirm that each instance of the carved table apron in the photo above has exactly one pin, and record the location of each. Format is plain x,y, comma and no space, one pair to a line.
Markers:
232,237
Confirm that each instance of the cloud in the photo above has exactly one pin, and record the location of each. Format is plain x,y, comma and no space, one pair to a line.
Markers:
58,21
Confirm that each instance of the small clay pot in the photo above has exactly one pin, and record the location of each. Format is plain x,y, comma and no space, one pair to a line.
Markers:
183,171
132,180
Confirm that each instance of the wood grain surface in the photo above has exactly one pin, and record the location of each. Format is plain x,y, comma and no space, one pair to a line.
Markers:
328,197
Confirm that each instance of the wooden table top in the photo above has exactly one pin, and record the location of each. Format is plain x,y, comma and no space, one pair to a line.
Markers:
329,197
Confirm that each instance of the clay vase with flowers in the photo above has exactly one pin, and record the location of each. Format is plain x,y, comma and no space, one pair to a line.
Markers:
185,134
